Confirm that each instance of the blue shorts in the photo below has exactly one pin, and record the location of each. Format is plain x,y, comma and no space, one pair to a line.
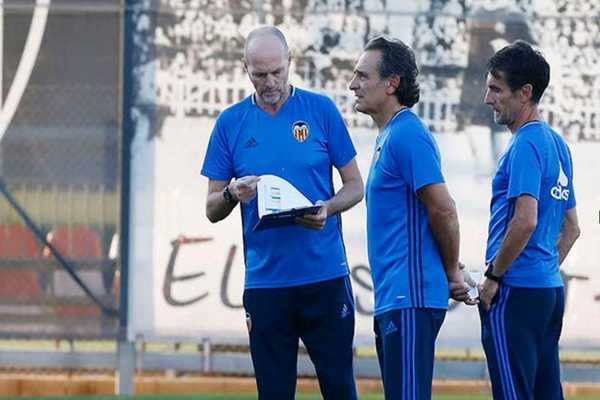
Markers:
322,315
405,342
520,336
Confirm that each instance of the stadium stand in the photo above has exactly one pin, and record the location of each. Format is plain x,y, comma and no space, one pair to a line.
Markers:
18,279
77,243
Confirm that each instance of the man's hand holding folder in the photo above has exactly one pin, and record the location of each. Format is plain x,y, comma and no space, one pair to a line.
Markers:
281,204
314,221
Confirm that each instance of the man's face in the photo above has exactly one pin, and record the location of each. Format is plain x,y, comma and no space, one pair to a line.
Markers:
504,103
367,85
268,65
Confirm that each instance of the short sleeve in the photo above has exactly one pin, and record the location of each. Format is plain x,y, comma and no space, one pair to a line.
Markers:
416,158
217,160
525,171
340,148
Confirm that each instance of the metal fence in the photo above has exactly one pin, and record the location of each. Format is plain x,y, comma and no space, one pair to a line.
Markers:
59,169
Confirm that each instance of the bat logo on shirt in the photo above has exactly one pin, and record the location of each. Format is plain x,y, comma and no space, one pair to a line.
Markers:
300,131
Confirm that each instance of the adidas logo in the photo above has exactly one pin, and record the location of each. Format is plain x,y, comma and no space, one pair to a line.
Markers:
250,143
559,192
390,328
345,311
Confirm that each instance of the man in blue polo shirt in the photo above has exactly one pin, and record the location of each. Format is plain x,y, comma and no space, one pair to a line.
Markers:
296,283
412,225
533,225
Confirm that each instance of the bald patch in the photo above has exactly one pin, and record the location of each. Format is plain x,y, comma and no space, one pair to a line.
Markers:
265,37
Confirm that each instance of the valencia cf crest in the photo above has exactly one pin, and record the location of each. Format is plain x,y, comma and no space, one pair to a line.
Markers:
300,131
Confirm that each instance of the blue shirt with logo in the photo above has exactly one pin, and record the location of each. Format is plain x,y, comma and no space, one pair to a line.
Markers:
300,143
537,162
406,264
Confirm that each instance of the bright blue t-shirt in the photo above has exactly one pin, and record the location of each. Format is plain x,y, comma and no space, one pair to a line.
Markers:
537,162
406,264
300,144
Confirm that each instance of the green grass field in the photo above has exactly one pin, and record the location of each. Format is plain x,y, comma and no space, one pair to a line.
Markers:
250,397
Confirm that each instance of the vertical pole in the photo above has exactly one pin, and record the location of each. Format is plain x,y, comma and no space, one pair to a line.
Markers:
206,356
1,67
126,348
1,53
125,384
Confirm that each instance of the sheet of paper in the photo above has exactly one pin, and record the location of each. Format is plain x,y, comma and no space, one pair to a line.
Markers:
280,203
275,194
473,289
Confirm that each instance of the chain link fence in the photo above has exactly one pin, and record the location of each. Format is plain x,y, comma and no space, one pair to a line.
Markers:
59,169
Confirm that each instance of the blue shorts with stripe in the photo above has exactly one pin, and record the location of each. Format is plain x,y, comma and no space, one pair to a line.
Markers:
405,342
520,336
322,315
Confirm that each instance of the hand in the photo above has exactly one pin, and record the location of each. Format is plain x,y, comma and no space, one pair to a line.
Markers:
487,291
315,221
244,188
459,290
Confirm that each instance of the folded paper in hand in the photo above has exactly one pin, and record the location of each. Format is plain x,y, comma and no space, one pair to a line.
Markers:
279,203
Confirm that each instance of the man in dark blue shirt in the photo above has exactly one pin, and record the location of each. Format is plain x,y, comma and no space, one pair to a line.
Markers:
533,225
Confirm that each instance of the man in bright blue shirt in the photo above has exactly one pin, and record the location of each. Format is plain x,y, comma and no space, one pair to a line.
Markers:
296,283
533,225
412,225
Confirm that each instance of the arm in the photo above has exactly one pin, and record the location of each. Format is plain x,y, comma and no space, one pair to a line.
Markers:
517,235
521,227
217,207
568,234
350,194
443,222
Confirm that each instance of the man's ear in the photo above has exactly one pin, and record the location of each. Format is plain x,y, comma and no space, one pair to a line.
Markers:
393,84
244,64
526,92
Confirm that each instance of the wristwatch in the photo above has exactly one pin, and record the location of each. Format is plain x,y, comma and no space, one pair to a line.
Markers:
489,273
228,196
